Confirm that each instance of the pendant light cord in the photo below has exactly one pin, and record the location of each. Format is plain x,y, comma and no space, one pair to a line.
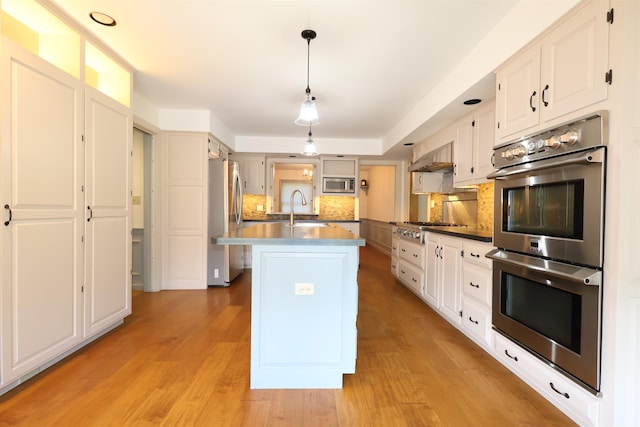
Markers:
308,90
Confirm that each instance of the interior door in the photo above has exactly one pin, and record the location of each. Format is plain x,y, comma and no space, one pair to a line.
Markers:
108,140
42,225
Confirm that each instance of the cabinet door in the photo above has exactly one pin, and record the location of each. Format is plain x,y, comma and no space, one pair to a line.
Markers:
464,151
41,186
431,271
484,141
342,167
184,211
450,278
517,94
108,142
252,172
574,62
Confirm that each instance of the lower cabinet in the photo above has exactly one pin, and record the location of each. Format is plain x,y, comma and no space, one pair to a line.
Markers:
570,398
476,292
443,275
410,266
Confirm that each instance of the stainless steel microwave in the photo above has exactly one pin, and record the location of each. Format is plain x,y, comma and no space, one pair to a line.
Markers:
338,185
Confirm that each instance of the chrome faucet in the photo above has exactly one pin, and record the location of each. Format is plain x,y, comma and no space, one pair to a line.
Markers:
304,203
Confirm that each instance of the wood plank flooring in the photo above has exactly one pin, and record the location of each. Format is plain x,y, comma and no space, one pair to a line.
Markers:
182,359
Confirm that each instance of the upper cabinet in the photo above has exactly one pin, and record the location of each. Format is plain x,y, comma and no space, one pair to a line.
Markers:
565,71
473,151
342,167
36,29
252,173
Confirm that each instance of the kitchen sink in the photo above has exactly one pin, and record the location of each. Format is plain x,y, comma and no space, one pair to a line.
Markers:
310,224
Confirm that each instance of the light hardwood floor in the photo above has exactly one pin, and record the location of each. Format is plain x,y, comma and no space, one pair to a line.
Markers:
182,359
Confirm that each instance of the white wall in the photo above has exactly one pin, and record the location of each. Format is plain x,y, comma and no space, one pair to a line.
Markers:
382,194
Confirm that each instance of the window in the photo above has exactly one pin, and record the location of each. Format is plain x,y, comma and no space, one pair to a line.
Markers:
289,186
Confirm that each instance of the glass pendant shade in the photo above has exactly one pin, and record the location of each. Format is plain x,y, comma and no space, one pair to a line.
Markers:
308,113
310,148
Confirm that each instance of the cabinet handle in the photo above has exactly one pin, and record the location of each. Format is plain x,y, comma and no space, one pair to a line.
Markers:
473,321
474,255
435,252
415,255
440,253
546,88
414,280
510,356
90,213
7,207
474,285
531,101
558,391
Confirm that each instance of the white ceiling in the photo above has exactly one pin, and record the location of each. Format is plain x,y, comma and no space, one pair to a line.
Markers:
245,61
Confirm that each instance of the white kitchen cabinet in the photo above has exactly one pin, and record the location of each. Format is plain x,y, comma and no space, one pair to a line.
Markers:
444,262
252,172
65,245
564,72
476,292
184,209
394,251
108,148
339,167
411,262
475,139
430,182
350,226
574,401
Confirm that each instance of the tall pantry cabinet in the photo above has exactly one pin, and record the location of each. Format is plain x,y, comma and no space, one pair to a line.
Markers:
65,233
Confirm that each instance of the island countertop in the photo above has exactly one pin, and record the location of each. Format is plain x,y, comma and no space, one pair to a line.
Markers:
282,234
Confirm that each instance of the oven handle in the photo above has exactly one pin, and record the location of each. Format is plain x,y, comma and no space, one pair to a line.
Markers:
574,273
583,157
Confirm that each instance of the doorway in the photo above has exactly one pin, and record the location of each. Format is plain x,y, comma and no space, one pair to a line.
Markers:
141,204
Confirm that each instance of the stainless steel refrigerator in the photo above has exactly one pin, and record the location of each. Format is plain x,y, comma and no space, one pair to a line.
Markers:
225,262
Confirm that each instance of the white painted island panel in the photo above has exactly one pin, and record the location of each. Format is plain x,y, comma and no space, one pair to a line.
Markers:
303,339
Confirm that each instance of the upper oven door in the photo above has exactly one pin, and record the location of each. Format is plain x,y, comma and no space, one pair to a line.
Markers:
553,208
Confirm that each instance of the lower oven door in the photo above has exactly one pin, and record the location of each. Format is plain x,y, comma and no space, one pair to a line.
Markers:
552,309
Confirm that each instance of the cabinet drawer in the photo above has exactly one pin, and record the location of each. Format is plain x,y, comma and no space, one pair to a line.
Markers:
477,283
572,399
412,252
474,253
477,321
411,276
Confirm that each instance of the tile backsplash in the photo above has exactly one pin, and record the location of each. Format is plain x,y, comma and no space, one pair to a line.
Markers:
331,207
485,206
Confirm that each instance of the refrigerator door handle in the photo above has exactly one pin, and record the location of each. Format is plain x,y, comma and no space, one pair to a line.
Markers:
237,202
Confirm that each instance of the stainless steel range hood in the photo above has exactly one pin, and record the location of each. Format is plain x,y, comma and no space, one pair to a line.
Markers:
438,160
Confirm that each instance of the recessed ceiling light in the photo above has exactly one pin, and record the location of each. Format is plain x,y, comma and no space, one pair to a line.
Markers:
103,19
472,101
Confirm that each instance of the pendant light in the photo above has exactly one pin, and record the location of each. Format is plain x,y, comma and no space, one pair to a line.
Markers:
310,146
308,111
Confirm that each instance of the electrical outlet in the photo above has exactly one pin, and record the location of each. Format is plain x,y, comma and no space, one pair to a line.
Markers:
216,273
304,289
260,208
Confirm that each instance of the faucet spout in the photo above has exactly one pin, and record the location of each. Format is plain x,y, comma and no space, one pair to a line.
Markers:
304,203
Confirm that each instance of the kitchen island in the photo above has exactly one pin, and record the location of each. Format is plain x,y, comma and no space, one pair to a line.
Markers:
304,303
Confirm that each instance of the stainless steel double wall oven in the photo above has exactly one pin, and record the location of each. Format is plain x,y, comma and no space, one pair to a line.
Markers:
549,231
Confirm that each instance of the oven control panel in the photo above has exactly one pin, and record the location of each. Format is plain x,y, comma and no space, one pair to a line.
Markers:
576,136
